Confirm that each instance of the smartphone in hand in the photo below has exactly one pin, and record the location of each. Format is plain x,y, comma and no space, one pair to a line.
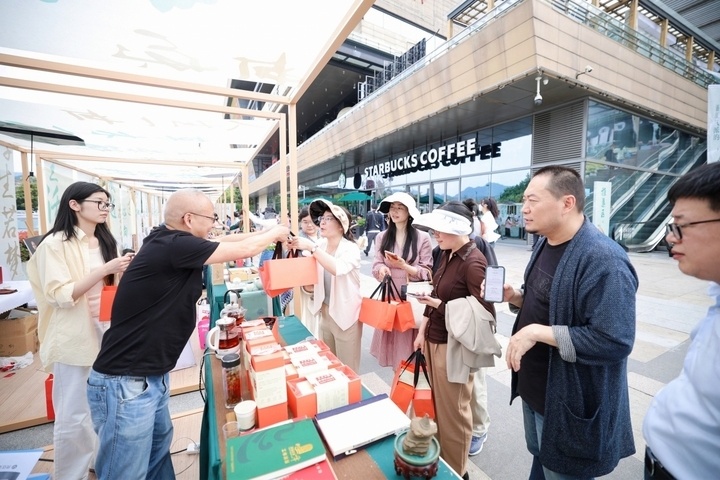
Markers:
494,281
391,255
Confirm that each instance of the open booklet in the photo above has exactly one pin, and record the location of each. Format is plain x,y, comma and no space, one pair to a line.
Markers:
352,427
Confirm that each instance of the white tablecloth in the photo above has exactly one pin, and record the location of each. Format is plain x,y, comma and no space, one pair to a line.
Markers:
23,295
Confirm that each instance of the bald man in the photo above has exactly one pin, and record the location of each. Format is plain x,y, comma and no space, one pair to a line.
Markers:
153,317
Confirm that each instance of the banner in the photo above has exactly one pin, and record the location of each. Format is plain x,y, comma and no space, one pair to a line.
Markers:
601,205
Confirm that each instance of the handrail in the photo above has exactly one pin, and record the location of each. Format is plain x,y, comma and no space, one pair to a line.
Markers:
599,20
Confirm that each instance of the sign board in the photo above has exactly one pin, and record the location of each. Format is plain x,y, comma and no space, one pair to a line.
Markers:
601,205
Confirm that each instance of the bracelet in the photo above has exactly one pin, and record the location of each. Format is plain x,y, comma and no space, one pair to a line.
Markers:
312,250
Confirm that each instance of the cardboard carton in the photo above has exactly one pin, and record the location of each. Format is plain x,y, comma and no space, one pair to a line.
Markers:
217,274
18,333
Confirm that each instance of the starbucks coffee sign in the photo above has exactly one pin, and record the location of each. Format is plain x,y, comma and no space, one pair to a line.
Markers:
446,155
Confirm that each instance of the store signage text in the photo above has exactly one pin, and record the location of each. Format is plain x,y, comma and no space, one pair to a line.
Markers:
445,155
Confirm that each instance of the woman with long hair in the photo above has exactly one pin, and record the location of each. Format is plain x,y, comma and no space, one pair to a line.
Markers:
309,230
73,261
458,279
336,295
488,220
405,254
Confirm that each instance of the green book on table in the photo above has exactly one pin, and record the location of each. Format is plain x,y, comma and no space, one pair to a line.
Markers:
274,451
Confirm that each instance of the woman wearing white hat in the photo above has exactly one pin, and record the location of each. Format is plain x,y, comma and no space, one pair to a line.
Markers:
459,276
409,257
336,294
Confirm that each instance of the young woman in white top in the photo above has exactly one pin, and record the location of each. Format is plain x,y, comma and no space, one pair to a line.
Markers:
336,294
73,262
488,220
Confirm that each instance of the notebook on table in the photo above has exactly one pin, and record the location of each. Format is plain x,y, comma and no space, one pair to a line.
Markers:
352,427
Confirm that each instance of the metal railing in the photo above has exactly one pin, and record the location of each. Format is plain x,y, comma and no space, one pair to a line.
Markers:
604,23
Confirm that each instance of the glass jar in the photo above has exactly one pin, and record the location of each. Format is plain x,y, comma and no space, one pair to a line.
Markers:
232,378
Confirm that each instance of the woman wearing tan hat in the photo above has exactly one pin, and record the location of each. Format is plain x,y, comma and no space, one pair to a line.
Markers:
409,258
459,276
336,294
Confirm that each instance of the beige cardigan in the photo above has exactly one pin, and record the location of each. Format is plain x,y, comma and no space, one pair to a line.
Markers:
471,338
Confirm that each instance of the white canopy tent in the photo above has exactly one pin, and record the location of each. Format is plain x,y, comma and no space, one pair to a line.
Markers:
146,84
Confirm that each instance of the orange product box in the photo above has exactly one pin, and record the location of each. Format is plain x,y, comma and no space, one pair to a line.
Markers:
303,397
250,325
268,361
306,347
308,363
258,333
300,365
269,393
257,345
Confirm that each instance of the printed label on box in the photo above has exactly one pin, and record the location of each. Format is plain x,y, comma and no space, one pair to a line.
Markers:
269,387
255,334
302,347
331,389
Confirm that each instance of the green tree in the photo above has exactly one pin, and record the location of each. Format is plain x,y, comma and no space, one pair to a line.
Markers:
20,196
514,194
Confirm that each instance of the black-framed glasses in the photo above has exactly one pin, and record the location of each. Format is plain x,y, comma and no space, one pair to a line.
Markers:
102,205
676,228
204,216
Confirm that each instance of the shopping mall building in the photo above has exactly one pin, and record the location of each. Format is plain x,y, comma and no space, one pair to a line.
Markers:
616,90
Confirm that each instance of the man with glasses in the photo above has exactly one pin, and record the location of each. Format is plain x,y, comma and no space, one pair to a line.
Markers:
682,425
153,316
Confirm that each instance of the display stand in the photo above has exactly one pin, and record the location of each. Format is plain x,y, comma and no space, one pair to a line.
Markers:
376,461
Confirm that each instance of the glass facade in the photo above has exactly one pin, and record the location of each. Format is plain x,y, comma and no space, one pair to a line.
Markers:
636,159
641,159
475,165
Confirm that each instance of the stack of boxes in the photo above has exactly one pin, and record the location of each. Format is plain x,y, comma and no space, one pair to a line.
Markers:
305,377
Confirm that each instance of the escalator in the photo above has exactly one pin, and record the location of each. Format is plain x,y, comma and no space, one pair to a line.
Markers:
641,228
625,183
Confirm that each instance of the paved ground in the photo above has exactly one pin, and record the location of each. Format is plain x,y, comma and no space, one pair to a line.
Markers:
669,304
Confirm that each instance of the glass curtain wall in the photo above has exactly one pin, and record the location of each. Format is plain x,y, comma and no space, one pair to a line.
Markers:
500,162
641,159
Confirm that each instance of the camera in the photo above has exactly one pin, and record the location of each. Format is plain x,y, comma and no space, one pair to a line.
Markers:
538,99
588,69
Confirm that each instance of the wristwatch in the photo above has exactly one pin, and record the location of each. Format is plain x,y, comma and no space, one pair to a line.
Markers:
312,250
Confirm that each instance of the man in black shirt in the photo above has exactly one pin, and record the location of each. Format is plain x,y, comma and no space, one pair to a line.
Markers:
153,316
572,336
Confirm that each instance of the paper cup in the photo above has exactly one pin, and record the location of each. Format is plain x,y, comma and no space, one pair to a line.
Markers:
245,414
230,430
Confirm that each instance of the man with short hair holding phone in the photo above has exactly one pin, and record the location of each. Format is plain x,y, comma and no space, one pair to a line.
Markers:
572,336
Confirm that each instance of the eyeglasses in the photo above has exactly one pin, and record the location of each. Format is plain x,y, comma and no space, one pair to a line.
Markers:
676,229
102,205
326,219
204,216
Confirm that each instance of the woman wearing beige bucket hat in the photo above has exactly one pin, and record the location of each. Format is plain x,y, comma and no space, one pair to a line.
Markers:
336,293
404,253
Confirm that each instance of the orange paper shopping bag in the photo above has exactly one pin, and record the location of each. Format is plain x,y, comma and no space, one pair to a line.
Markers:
107,297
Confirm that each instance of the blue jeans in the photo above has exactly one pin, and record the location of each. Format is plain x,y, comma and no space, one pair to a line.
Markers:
131,418
533,437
